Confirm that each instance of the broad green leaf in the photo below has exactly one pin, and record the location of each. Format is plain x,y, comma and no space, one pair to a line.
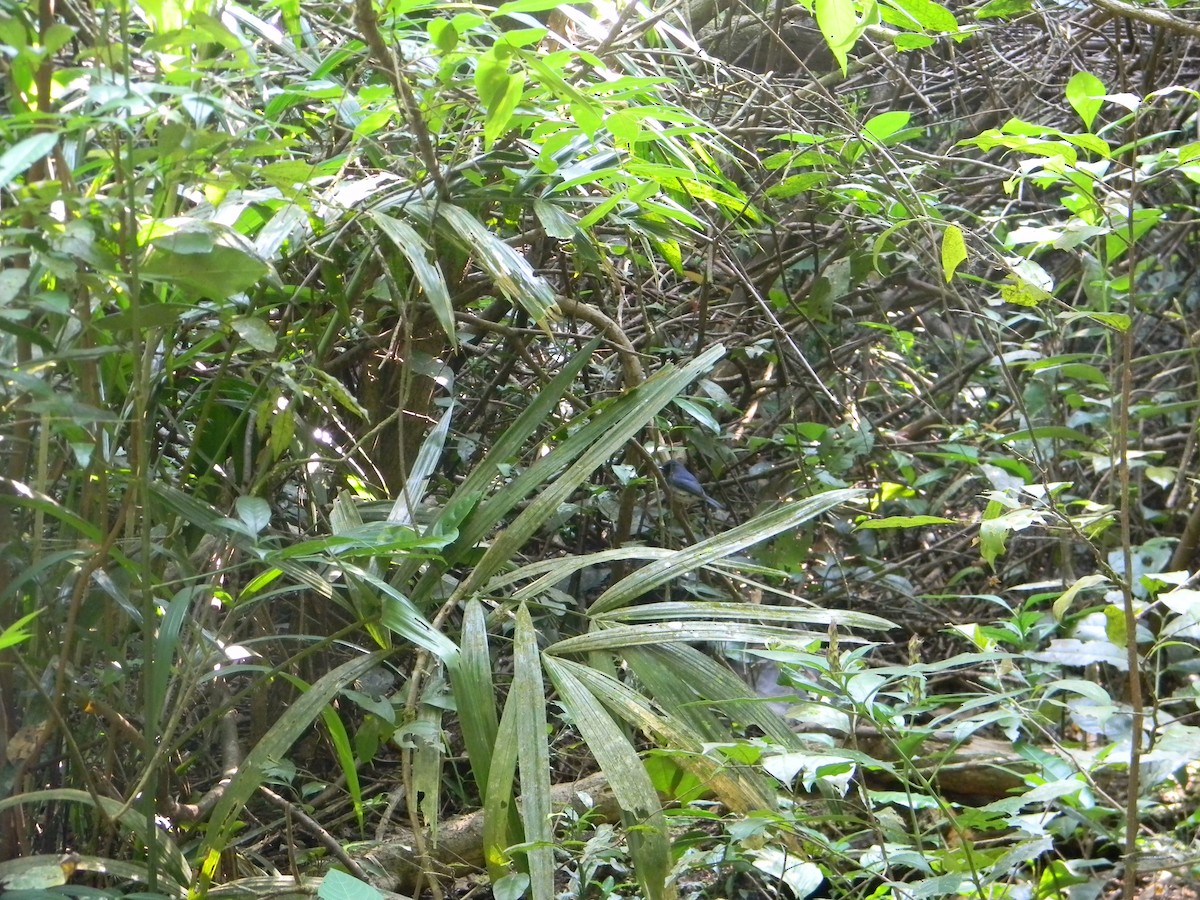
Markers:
801,876
997,526
255,512
1184,602
839,25
1085,93
1121,239
511,887
1091,142
557,222
927,14
1021,293
165,15
11,282
1089,690
798,184
991,139
149,316
491,78
203,258
255,332
884,125
524,6
907,40
514,38
338,885
444,34
997,9
701,413
1114,625
502,107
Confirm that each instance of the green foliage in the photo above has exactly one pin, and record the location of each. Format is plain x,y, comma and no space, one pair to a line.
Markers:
341,348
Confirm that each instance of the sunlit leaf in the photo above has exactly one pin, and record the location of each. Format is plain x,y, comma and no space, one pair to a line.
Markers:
1085,93
24,153
954,250
513,274
904,522
204,259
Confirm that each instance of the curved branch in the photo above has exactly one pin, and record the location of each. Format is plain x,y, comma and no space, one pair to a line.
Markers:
1156,17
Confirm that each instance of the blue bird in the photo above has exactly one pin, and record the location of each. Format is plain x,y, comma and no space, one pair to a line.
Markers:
682,481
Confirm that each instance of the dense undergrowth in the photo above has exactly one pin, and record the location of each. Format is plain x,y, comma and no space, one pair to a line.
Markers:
342,349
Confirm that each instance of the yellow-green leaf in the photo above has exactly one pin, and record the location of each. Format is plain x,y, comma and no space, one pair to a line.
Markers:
954,250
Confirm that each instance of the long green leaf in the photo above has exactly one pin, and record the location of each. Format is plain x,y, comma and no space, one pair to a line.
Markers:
131,820
475,693
428,758
340,740
737,789
533,751
546,573
600,439
511,272
687,683
203,516
427,461
19,494
728,543
23,154
158,674
403,618
478,482
747,612
641,810
409,242
501,826
649,633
